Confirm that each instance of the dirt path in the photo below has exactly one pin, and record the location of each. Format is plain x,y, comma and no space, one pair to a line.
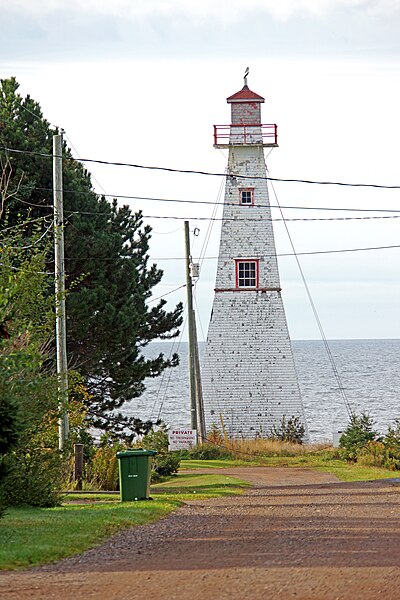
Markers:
296,535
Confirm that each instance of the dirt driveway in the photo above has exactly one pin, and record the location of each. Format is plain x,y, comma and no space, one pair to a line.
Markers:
296,535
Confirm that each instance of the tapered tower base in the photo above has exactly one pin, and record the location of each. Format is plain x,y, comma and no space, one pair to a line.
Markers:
249,377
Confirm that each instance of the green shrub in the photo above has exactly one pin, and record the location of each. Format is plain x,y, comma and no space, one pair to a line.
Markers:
328,455
392,438
392,446
291,430
372,454
156,440
9,430
378,454
361,443
359,432
34,479
164,463
102,471
208,451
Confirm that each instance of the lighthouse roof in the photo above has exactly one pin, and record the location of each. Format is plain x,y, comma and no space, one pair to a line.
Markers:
245,95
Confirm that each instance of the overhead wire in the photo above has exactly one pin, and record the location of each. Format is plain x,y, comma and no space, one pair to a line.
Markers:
166,387
25,223
195,218
212,203
317,319
153,232
35,242
200,172
206,241
33,203
25,270
92,176
167,293
40,118
278,254
214,219
206,358
201,258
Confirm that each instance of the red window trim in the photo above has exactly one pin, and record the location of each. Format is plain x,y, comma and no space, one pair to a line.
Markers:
247,260
246,189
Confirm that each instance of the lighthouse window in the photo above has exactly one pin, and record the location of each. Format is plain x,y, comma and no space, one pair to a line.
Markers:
246,196
246,273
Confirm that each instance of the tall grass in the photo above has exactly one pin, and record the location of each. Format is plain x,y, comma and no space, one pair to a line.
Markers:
250,449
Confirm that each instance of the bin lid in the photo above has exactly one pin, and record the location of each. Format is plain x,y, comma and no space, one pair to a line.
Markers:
138,452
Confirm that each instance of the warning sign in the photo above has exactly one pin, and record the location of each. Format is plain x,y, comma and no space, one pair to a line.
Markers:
181,439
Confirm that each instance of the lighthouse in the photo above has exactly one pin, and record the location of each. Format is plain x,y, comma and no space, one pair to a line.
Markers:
249,376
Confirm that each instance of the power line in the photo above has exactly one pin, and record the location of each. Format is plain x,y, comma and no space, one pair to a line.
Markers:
25,223
281,254
194,218
93,177
35,242
39,117
208,202
167,293
24,270
213,218
255,256
169,374
33,204
318,321
212,203
211,224
341,250
198,172
153,232
273,220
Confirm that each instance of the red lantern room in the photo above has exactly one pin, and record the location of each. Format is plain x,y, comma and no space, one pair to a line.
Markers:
246,127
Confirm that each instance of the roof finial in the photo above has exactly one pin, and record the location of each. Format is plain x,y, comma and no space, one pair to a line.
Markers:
245,76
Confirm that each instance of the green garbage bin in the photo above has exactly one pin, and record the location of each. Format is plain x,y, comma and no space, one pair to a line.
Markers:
134,474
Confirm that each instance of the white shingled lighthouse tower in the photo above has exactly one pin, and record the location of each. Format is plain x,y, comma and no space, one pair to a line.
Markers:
249,377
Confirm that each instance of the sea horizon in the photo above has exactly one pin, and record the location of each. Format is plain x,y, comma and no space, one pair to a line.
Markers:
369,370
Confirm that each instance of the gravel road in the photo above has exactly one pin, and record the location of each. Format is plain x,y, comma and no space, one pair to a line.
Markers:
295,535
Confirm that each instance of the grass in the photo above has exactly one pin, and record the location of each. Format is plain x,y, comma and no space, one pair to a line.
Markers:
216,464
323,462
34,536
354,472
186,485
92,496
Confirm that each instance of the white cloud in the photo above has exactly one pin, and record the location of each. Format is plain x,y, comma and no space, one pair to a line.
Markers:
201,9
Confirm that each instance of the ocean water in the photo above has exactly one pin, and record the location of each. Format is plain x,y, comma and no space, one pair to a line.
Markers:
369,371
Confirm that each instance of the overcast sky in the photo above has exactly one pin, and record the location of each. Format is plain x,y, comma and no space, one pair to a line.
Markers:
143,82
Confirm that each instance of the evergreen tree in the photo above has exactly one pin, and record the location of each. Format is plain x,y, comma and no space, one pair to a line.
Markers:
109,278
358,433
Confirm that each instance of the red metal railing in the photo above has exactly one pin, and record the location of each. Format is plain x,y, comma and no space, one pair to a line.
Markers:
225,135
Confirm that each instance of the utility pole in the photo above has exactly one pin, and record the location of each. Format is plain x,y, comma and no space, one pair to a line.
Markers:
201,423
61,331
197,420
